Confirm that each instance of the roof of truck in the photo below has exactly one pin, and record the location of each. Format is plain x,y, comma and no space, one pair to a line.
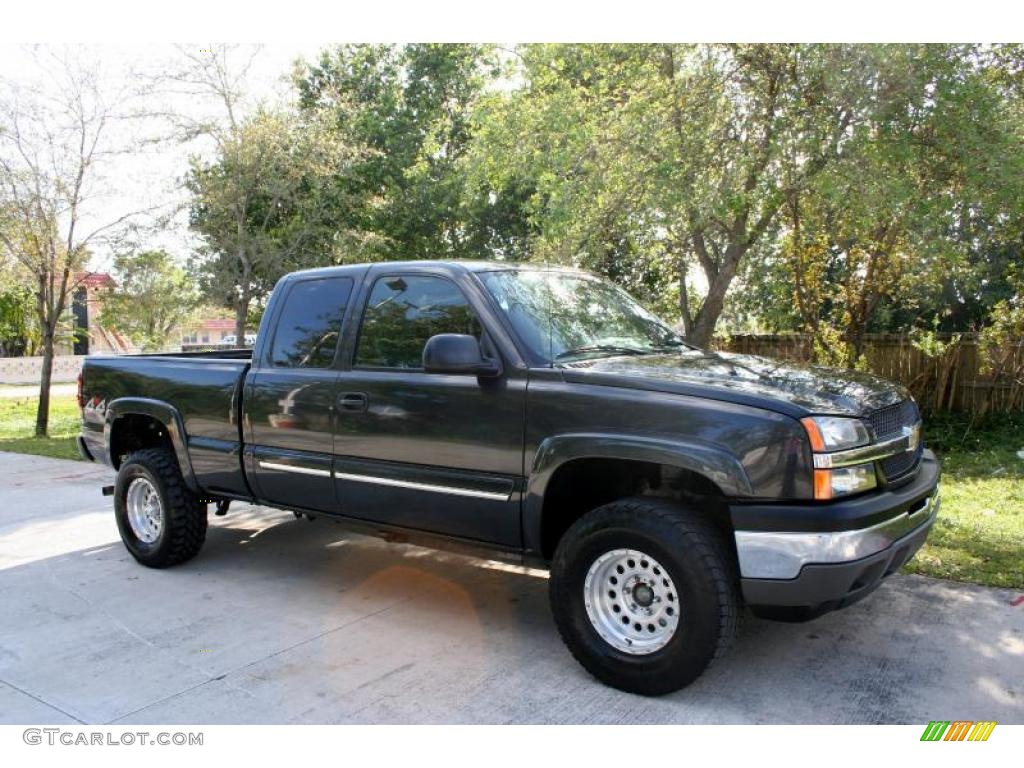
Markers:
455,264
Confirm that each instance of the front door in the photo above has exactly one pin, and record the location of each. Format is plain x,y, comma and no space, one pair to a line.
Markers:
434,452
289,397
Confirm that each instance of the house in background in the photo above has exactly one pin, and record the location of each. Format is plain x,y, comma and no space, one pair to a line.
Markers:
91,338
207,331
208,328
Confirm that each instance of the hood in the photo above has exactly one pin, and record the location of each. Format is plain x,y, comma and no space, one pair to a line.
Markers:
792,388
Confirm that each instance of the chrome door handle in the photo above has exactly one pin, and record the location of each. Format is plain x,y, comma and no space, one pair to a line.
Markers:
352,402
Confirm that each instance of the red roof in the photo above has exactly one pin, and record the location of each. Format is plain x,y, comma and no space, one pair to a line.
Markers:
217,324
95,280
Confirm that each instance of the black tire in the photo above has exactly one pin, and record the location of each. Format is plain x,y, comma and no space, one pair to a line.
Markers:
703,572
183,529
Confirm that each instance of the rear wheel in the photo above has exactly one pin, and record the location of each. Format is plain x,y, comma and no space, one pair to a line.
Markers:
162,523
644,594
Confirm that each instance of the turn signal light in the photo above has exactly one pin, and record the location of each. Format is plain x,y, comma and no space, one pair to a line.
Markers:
830,483
814,435
823,484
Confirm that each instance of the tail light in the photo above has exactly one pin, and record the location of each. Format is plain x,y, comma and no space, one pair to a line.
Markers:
80,395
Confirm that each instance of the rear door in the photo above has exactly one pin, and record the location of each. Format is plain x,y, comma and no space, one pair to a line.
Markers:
434,452
289,396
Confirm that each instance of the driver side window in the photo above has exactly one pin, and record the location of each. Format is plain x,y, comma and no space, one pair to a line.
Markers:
403,312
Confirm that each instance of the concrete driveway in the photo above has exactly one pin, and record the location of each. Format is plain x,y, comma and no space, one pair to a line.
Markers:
282,620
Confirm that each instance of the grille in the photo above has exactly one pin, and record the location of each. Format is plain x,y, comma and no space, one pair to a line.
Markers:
889,422
898,465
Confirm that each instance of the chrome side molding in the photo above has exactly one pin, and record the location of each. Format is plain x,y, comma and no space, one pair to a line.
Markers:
449,489
375,480
294,468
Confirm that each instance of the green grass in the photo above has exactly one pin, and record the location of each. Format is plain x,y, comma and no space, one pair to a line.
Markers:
18,423
978,538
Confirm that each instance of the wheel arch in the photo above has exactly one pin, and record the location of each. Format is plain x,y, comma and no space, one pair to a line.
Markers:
133,423
572,474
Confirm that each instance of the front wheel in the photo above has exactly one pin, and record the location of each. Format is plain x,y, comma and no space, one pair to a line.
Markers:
162,522
644,594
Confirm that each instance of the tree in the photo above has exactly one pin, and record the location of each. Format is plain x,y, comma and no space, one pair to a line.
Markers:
1001,342
412,106
263,206
55,140
268,200
18,335
908,222
690,150
153,297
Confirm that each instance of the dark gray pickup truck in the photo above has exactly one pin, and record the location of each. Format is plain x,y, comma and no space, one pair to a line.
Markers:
538,415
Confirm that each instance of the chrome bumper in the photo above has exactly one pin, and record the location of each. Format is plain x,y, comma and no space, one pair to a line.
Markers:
782,555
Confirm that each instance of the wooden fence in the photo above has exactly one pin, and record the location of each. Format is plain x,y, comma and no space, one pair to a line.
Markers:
959,376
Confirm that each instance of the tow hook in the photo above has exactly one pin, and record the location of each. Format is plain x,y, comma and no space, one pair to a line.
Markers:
222,507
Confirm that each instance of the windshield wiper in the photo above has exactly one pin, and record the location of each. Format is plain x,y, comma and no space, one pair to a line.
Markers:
612,348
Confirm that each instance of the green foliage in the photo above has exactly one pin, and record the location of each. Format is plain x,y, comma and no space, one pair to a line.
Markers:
19,333
1005,330
928,342
834,189
916,222
268,205
675,154
153,297
412,106
1001,344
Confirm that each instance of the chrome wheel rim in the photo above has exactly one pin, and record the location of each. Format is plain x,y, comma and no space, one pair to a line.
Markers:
631,601
145,514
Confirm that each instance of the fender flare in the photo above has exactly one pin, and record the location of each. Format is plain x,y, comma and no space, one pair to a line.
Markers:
161,411
708,460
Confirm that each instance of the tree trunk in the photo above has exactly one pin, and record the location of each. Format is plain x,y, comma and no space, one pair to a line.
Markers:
859,324
707,316
704,325
684,300
242,304
241,314
43,412
682,275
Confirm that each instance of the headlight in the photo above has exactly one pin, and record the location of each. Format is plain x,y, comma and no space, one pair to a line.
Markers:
835,433
829,483
828,434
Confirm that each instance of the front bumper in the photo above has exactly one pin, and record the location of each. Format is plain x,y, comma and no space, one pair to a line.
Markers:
814,565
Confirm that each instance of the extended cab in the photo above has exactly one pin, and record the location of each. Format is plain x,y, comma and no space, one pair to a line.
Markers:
539,415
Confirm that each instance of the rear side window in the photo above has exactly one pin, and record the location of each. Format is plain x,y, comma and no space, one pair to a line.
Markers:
403,312
310,323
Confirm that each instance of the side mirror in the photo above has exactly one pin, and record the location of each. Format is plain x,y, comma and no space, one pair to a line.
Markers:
457,353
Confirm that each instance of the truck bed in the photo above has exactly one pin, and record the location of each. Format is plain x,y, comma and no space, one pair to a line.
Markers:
205,387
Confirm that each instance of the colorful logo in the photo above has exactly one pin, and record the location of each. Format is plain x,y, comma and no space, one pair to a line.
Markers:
958,730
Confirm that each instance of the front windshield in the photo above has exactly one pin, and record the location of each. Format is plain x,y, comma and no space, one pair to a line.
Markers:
563,316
